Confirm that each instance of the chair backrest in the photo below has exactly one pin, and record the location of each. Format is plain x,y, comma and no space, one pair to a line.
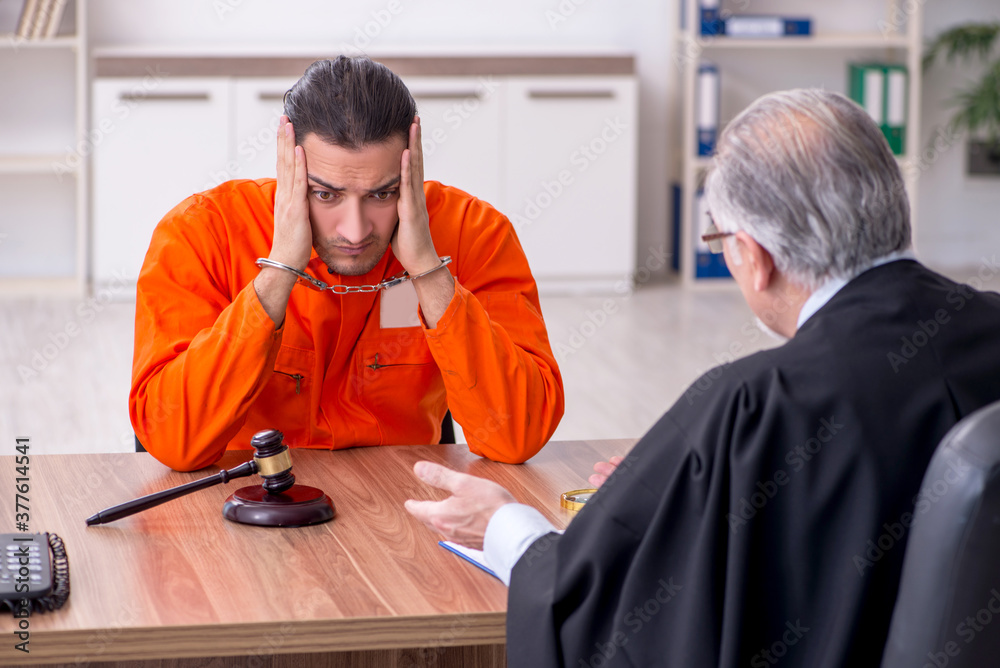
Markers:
947,610
447,429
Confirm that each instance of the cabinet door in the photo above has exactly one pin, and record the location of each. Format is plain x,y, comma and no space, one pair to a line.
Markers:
571,178
460,126
161,141
258,108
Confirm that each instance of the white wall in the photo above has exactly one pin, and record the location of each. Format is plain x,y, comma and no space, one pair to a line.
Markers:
957,215
643,28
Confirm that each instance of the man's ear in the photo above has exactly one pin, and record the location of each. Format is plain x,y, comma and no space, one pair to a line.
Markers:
760,264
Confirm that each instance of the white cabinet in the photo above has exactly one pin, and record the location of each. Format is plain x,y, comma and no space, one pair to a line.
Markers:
555,153
165,137
258,103
570,178
460,123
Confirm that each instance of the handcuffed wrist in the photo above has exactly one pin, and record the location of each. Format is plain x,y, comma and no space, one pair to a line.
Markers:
426,265
316,284
440,263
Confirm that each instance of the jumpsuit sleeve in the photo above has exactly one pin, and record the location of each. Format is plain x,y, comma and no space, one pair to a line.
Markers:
503,384
203,348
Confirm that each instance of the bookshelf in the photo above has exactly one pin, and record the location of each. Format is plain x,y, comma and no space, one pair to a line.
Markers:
890,31
44,153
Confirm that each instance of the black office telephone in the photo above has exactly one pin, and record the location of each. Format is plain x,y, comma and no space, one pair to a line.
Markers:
34,572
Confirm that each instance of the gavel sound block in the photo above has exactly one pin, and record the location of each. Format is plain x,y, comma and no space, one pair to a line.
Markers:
278,502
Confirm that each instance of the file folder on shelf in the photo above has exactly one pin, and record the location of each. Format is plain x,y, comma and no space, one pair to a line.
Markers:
711,22
706,263
707,119
675,227
765,26
882,90
895,107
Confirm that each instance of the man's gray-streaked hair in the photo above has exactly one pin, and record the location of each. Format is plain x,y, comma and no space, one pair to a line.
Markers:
811,178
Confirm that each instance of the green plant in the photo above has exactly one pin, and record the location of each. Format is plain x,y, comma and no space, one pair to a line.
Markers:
979,104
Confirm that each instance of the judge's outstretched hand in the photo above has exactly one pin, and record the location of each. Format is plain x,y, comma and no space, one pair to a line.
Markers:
603,470
462,517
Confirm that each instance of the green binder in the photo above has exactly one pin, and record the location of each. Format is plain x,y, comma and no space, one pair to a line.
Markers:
881,88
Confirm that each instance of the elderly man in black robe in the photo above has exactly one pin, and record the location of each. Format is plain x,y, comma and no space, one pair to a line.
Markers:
763,518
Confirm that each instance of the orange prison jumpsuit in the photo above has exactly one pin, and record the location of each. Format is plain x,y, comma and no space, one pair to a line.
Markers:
209,368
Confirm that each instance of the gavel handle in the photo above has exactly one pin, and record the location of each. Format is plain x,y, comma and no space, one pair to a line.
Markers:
155,499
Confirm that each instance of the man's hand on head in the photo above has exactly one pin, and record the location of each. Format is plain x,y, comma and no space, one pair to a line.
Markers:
463,517
292,243
412,243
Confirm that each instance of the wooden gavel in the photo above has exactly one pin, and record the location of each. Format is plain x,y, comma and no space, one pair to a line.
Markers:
278,502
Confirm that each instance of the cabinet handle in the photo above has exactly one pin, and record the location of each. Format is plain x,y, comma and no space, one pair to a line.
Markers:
571,94
270,97
447,95
164,97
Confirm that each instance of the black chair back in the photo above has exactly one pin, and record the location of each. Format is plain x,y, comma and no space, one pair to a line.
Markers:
447,429
947,610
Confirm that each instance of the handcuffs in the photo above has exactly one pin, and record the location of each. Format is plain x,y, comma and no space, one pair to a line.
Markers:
316,284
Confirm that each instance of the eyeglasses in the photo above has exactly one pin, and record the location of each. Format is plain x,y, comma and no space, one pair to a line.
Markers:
713,237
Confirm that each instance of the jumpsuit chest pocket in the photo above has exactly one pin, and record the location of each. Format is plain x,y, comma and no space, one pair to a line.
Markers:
293,371
395,368
285,401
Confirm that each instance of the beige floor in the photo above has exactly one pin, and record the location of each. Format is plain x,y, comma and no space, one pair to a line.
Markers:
625,359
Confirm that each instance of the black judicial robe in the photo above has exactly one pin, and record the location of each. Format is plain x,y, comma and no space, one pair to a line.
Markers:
763,519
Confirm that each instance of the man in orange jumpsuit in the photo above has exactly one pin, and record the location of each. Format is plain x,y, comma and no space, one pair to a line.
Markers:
226,345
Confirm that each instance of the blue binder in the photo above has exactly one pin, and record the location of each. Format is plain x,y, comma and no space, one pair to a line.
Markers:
707,119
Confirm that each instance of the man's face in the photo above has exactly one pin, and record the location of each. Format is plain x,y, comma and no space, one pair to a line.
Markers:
352,202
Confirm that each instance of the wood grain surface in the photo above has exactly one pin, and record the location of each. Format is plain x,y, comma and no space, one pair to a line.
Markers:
180,582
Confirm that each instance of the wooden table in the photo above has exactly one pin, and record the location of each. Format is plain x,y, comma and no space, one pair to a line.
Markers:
179,583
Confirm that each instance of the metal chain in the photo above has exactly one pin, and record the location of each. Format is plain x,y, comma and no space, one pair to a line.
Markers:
316,284
344,289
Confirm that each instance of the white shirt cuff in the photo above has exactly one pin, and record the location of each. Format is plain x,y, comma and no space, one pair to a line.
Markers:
511,531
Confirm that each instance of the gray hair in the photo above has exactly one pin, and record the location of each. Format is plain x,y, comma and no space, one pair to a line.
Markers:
810,177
